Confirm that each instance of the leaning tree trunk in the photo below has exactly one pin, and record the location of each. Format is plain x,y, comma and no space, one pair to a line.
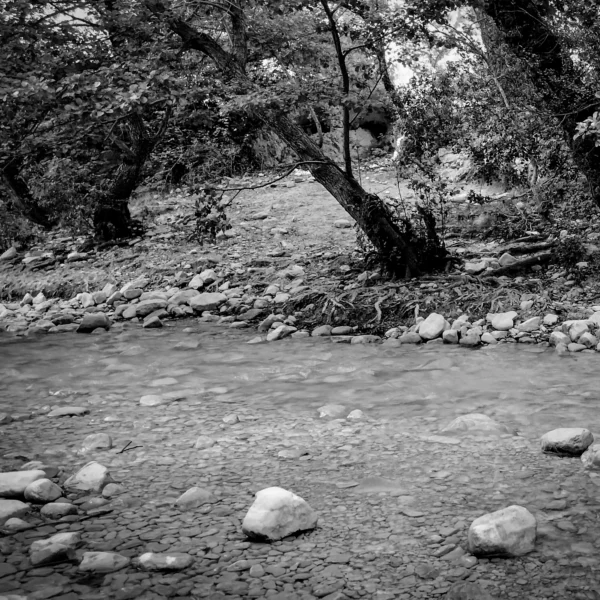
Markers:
369,211
112,218
526,31
16,193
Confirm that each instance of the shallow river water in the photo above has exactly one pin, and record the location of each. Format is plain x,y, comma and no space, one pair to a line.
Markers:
395,493
528,388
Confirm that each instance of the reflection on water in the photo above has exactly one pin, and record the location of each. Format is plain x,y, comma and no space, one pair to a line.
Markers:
527,388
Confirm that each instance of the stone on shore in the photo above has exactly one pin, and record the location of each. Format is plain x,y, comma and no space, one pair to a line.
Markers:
277,513
145,307
207,301
410,338
571,441
432,327
530,325
450,336
333,411
42,491
90,478
322,331
102,562
58,548
558,337
183,297
92,321
510,531
152,323
14,524
195,497
474,422
96,441
591,457
10,509
9,254
14,483
171,561
280,332
502,321
57,510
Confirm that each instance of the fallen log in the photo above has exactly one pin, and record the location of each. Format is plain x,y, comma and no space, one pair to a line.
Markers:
537,259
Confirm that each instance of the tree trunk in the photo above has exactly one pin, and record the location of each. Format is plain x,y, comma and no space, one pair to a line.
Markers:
17,194
526,31
112,218
368,210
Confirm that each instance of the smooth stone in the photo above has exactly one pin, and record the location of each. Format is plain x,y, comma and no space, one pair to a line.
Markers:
475,422
203,442
591,457
169,561
557,337
432,327
14,524
102,562
58,548
152,323
10,509
96,441
153,400
322,331
510,531
207,301
92,477
195,497
280,332
450,336
145,307
410,338
572,441
277,513
365,339
111,490
14,483
42,491
530,325
92,321
502,321
57,510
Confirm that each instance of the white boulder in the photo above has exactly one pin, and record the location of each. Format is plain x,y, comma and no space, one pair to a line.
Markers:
10,509
432,327
13,483
572,441
59,547
510,531
42,491
90,478
277,513
502,321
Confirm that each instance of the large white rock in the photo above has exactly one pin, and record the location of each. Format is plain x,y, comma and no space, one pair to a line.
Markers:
502,321
558,337
90,478
197,282
572,441
577,329
183,297
475,422
507,532
277,513
207,301
102,562
280,332
12,508
59,547
13,483
42,491
530,325
432,327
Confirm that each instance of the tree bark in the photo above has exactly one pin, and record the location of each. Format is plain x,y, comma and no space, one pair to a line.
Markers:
17,194
368,210
524,24
112,218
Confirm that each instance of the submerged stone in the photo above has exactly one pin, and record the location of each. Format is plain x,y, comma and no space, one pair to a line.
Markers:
572,441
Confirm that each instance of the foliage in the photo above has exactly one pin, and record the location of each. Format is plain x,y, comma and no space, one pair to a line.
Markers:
210,217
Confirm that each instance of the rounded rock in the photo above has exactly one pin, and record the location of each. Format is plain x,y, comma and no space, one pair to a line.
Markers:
42,491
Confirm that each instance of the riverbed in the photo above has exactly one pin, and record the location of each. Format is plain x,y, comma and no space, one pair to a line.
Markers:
395,490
